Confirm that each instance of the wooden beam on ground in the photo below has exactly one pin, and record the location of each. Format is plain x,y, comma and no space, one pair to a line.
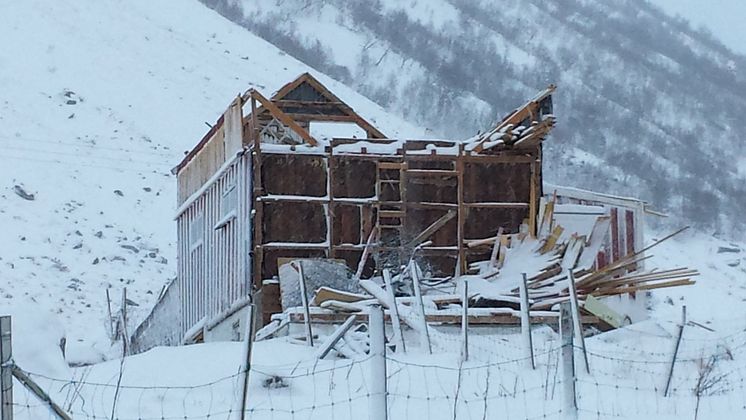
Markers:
330,342
35,389
451,319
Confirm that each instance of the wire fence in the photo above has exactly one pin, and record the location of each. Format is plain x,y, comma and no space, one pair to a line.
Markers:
624,381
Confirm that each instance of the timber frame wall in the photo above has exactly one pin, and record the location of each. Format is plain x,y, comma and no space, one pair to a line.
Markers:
326,205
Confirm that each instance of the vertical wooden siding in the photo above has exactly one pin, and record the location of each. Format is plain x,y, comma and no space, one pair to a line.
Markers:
213,274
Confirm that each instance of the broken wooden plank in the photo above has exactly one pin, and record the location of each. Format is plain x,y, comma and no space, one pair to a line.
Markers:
433,228
537,317
496,249
339,306
325,293
395,322
551,240
596,307
270,330
332,340
623,290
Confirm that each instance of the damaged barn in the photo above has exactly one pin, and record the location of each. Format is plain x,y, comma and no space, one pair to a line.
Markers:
263,196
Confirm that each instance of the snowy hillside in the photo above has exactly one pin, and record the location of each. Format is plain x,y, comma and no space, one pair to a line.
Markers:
100,100
647,106
721,17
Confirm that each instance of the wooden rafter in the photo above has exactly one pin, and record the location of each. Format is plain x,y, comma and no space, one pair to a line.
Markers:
283,117
326,93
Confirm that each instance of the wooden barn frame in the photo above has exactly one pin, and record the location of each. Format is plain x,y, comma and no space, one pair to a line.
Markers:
259,188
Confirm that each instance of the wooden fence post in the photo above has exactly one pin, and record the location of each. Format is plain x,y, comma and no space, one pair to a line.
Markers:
465,321
124,332
35,389
570,406
246,362
676,350
420,308
304,300
394,311
6,372
526,322
112,333
576,320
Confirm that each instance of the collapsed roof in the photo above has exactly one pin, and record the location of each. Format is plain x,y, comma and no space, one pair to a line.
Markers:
284,119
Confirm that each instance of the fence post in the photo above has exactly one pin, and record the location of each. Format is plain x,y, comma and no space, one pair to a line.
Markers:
42,395
394,311
570,407
577,322
246,362
125,333
112,333
420,308
526,322
676,350
465,321
6,372
377,401
304,300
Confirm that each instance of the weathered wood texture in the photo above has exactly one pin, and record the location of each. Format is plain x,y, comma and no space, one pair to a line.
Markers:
625,234
223,140
202,166
326,203
301,218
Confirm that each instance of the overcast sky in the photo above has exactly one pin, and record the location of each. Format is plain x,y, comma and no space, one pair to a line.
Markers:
726,19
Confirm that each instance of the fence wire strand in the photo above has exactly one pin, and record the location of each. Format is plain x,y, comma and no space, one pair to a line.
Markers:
624,382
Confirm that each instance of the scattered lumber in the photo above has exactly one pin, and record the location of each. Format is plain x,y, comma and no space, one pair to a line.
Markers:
550,261
333,339
325,293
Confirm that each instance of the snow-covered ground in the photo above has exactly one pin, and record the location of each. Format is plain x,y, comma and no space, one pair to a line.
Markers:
99,101
629,367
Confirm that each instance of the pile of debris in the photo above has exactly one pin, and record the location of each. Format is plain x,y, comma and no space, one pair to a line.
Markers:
556,256
526,126
546,266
